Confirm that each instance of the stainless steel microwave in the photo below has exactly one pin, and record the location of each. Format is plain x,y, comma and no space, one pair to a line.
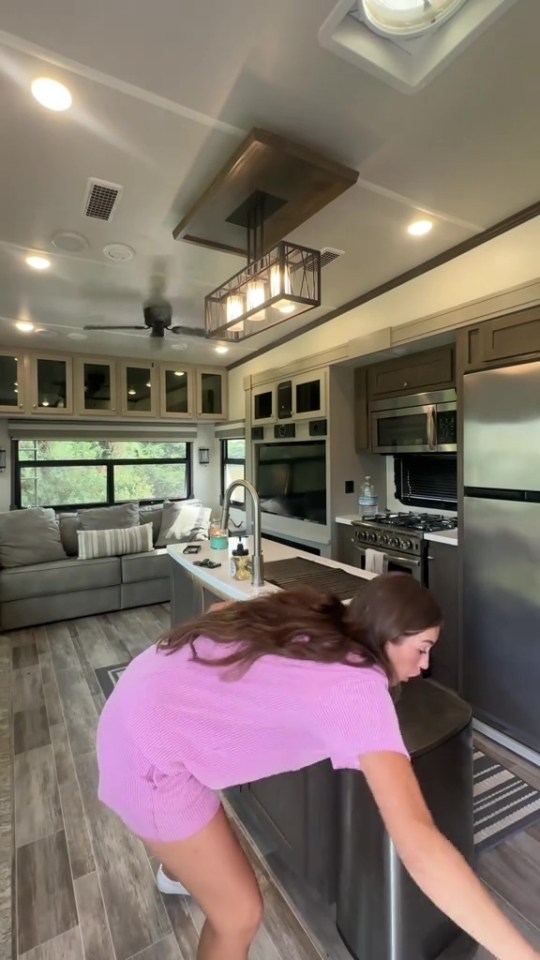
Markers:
422,423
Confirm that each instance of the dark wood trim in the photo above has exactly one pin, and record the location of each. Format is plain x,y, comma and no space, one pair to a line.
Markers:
304,180
214,245
503,226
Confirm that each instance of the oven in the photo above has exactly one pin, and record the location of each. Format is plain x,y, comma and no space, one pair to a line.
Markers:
357,541
424,423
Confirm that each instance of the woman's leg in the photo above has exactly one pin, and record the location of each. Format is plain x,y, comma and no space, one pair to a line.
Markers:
214,869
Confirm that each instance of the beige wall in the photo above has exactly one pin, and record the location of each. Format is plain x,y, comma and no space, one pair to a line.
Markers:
505,262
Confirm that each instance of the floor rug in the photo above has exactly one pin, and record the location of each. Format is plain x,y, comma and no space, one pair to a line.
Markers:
108,677
503,803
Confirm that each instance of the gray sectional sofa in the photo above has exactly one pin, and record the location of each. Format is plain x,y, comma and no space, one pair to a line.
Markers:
61,589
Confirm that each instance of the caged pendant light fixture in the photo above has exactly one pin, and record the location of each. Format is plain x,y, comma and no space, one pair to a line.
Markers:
276,284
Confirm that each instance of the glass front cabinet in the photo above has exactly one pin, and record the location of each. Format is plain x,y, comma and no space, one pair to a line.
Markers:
211,394
96,390
263,404
176,389
51,385
12,384
138,389
309,395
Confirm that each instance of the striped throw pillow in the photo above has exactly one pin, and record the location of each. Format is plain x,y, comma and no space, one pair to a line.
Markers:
114,543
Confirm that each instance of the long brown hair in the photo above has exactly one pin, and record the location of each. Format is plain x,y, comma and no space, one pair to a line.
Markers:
302,624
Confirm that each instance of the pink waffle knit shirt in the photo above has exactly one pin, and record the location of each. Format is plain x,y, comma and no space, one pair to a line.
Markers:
175,731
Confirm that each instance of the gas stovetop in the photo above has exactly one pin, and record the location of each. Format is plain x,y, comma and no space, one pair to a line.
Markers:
400,531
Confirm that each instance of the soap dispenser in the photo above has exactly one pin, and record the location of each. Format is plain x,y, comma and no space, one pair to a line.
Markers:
240,565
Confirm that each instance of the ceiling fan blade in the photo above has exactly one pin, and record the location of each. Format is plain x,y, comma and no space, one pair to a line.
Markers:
92,326
188,331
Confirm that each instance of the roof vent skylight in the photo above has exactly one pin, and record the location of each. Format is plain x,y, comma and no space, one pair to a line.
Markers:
407,18
407,42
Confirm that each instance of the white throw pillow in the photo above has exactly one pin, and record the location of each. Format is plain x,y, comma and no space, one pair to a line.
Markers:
189,521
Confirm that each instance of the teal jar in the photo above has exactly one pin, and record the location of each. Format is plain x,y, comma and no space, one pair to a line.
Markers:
219,542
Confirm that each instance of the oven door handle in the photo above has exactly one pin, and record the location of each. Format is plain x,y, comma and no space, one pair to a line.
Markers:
397,559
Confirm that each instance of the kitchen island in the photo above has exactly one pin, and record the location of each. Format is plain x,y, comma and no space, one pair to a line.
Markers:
196,588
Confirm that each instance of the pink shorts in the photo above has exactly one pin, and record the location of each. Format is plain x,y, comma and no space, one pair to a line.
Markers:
154,806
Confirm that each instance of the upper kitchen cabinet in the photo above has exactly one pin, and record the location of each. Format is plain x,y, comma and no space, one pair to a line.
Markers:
12,384
263,404
96,392
415,373
513,337
361,411
211,394
309,391
138,389
175,391
51,385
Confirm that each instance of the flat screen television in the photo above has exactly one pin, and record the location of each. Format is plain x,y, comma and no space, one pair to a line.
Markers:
291,479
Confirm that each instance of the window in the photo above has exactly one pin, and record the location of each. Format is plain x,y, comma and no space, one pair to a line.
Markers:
233,467
83,473
426,480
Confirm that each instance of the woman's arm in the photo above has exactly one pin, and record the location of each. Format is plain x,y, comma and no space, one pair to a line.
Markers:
433,863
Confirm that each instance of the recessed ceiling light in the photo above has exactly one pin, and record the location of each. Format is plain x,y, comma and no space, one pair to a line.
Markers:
179,373
148,383
24,326
132,392
419,228
222,349
51,94
38,263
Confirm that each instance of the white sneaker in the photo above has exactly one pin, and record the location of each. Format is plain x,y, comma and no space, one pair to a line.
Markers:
166,885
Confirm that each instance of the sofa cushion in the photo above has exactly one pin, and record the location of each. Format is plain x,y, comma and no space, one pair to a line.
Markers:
145,566
183,521
114,543
152,515
69,524
62,576
29,536
110,518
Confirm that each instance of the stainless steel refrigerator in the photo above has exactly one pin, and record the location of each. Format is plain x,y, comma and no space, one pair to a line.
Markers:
501,549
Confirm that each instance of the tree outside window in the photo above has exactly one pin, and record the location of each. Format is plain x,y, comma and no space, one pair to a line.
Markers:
75,473
233,467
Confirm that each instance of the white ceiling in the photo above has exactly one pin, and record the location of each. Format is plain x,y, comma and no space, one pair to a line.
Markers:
164,92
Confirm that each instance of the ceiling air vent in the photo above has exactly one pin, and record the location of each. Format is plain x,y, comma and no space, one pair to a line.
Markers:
329,254
101,199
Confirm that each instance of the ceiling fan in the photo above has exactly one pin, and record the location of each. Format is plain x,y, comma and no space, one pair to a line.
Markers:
157,319
157,313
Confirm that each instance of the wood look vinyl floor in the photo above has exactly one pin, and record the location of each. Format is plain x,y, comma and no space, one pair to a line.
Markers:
75,885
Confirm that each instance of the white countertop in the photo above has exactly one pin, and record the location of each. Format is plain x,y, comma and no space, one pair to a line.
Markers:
348,518
443,536
220,582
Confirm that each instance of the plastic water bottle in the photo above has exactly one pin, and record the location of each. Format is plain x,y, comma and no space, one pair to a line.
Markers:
368,503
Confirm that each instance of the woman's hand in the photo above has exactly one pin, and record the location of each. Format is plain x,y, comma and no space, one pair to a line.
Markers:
433,863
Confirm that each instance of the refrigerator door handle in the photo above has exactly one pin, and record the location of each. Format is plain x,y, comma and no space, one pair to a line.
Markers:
432,427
